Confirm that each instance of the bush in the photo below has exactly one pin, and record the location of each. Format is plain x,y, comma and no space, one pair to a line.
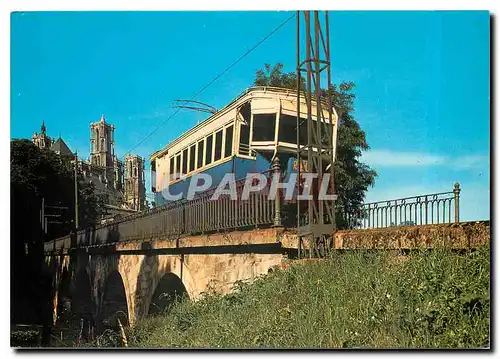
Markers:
25,338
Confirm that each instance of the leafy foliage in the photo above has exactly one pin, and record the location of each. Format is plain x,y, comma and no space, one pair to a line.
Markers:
352,177
43,173
37,174
274,76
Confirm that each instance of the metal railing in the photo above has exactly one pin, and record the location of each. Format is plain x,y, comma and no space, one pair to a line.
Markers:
204,215
183,217
418,210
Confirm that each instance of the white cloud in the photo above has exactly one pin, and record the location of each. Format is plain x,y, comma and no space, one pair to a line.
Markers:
390,158
471,161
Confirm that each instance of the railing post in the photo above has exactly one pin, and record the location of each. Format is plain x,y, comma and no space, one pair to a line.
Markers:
426,210
277,200
369,214
456,192
396,212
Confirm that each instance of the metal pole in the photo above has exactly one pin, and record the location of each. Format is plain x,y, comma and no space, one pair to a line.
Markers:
310,163
299,245
426,210
333,141
319,115
456,192
42,216
277,200
316,226
76,192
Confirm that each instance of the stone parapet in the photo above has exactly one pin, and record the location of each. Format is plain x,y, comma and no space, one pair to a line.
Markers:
450,235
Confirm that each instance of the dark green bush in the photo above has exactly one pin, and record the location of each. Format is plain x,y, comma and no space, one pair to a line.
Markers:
25,338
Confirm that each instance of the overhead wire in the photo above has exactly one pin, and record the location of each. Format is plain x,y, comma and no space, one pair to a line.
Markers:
200,91
214,80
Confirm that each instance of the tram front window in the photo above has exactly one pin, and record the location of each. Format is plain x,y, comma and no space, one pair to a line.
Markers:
264,126
288,129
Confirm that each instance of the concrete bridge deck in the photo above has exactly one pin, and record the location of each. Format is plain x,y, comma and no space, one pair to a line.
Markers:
453,235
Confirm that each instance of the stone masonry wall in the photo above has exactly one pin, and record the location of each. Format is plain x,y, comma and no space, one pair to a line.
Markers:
453,235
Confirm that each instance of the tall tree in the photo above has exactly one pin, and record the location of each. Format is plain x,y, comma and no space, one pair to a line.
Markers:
352,177
37,174
43,173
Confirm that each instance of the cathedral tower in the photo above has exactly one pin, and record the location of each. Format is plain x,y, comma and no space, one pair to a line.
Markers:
102,149
135,189
102,144
41,140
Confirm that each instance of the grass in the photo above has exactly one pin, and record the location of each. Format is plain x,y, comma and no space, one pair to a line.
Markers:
356,299
24,338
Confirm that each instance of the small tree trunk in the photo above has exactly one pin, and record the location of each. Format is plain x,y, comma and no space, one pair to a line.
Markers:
122,333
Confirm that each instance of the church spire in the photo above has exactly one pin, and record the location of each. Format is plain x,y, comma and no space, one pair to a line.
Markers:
102,118
44,129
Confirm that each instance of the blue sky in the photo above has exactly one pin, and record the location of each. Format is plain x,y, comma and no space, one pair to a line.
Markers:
422,83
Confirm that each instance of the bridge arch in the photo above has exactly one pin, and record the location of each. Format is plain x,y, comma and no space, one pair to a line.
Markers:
168,290
154,269
114,302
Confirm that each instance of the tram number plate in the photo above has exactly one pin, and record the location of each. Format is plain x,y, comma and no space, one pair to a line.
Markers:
303,166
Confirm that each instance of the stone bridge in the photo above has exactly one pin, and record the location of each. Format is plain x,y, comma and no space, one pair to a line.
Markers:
134,278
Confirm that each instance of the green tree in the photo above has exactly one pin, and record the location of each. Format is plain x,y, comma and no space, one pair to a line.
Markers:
274,76
37,174
352,177
43,173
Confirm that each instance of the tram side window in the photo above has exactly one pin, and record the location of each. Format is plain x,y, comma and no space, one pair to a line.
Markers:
264,126
218,146
177,165
191,158
208,150
200,155
171,169
153,176
229,141
245,140
184,161
288,128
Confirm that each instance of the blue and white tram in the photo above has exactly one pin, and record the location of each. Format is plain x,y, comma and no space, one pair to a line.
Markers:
241,138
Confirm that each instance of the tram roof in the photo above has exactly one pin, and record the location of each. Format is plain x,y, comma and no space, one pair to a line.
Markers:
268,90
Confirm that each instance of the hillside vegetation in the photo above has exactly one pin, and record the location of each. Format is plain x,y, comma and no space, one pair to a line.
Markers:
356,299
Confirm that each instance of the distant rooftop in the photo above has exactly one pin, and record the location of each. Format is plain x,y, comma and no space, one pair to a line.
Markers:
61,147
